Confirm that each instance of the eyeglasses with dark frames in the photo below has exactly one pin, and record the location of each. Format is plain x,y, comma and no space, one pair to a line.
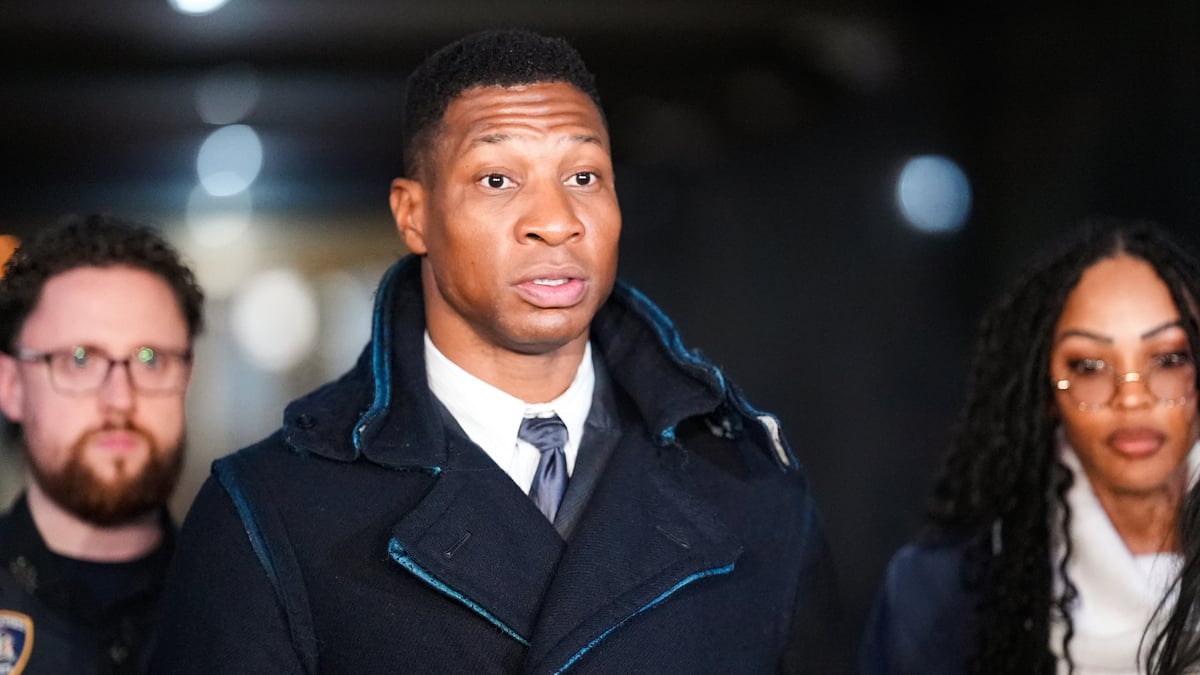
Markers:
84,369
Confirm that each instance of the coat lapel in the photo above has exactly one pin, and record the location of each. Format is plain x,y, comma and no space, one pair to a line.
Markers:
481,541
476,538
641,538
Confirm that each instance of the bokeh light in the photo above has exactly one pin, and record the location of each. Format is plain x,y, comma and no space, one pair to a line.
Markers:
274,319
8,245
218,221
227,94
197,7
933,194
346,306
229,160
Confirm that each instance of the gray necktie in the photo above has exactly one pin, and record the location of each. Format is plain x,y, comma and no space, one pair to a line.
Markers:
549,436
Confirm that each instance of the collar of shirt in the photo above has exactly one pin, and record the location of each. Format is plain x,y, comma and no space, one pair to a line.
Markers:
490,417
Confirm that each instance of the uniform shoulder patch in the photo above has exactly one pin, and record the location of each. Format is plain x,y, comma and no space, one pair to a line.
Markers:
16,641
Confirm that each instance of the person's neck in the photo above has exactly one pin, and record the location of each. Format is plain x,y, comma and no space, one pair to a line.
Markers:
69,535
533,378
1145,522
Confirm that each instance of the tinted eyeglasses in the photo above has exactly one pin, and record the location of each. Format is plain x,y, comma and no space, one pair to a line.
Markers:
1093,383
83,369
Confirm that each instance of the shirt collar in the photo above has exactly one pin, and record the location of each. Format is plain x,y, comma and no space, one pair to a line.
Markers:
491,417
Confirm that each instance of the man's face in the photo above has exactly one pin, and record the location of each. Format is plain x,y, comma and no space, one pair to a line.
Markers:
517,216
114,453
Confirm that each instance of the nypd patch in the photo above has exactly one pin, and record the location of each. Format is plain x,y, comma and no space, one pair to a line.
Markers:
16,642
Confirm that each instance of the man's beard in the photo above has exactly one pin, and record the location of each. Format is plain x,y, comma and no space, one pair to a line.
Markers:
76,487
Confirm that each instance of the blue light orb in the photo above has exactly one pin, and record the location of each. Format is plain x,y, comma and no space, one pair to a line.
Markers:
933,194
229,160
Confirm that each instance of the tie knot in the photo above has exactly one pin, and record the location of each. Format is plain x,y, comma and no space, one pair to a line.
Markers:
544,433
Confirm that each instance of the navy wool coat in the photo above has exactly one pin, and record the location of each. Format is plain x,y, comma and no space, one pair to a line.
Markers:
923,621
369,535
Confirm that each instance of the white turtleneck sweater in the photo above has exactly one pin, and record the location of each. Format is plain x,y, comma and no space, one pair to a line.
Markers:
1118,592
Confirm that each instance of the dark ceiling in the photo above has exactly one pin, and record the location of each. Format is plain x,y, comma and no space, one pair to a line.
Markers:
99,98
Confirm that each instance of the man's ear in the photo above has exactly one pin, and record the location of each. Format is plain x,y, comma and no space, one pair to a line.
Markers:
12,390
408,209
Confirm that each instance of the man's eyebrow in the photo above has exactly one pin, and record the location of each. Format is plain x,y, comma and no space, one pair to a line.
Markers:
493,139
490,139
1108,340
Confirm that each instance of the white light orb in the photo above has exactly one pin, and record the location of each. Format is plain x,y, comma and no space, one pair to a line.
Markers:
274,319
229,160
196,7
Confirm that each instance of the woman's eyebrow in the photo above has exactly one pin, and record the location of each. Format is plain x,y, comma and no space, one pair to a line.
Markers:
1098,337
1074,332
1155,331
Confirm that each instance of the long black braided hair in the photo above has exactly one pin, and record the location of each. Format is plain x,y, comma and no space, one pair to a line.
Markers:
1175,650
1002,483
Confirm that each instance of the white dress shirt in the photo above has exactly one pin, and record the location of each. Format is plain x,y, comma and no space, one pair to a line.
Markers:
491,417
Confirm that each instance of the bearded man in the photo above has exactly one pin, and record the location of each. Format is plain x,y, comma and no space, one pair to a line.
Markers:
97,321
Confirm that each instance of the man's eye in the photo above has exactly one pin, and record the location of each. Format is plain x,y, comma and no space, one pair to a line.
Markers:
147,357
496,181
79,357
583,178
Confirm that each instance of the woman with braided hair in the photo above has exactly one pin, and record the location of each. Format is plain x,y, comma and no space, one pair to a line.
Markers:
1176,648
1053,531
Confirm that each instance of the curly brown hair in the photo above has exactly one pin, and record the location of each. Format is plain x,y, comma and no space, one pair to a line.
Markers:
91,241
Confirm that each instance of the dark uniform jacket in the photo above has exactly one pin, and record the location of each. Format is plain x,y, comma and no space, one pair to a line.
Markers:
922,622
59,615
370,535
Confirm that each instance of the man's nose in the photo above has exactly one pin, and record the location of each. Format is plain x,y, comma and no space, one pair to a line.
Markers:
552,216
116,390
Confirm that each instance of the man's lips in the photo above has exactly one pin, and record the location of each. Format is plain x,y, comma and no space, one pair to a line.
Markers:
118,441
553,288
1136,442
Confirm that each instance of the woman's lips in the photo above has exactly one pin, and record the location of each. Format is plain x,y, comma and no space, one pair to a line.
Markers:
1136,442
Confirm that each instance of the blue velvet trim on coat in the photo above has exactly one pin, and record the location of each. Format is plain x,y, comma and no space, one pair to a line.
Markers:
396,550
381,366
669,335
650,605
225,475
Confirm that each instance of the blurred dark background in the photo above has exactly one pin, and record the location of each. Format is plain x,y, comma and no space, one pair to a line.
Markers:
759,147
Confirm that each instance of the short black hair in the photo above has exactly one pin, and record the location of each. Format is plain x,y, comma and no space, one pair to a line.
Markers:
505,58
91,241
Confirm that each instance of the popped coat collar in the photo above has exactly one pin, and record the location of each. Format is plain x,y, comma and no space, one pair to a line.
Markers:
656,523
396,421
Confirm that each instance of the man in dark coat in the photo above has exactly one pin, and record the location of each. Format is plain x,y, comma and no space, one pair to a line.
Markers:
525,471
97,319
